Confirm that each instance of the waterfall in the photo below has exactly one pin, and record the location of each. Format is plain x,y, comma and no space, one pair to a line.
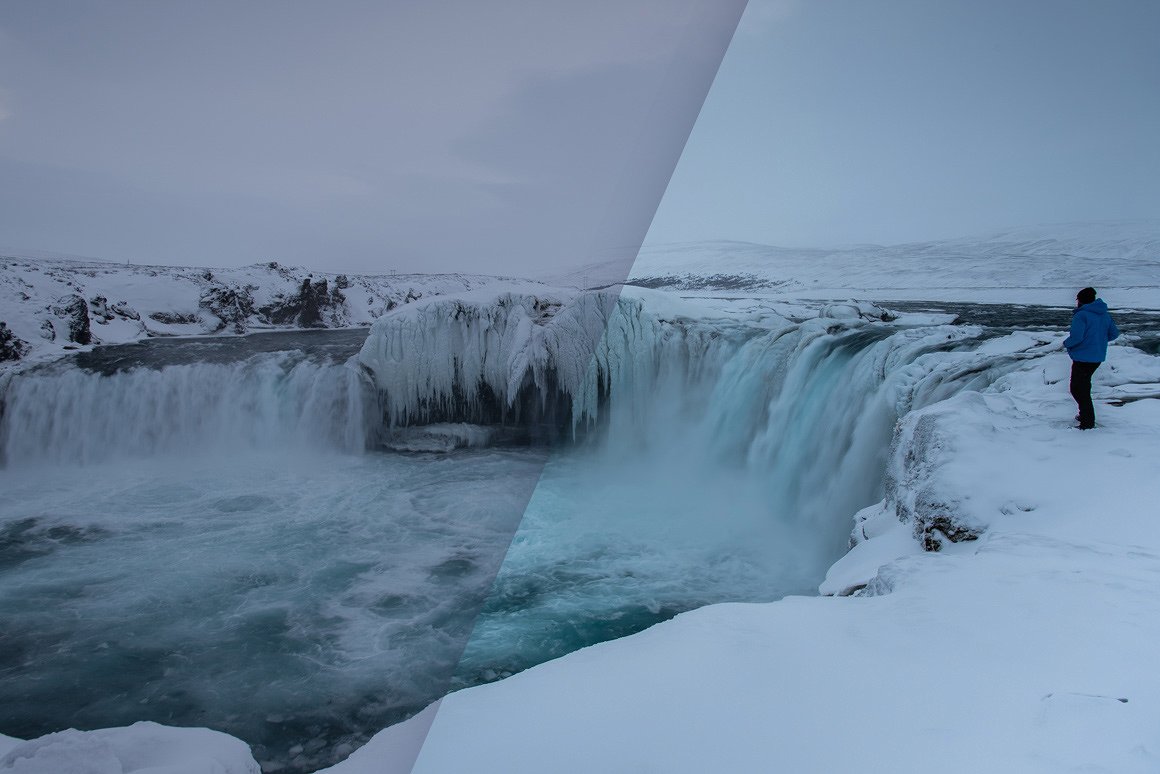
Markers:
636,371
66,414
700,454
720,455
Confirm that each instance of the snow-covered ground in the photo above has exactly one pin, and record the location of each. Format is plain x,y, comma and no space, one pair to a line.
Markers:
1028,649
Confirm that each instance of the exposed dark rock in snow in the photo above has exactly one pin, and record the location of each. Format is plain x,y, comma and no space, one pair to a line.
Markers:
934,530
315,305
75,311
124,310
232,305
705,282
99,309
174,318
11,348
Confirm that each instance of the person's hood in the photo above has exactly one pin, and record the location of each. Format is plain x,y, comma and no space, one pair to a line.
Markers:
1096,307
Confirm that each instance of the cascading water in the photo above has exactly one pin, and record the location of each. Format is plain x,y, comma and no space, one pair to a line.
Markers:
66,414
208,543
731,458
229,554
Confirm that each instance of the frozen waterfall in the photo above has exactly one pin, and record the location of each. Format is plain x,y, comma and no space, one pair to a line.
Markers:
67,414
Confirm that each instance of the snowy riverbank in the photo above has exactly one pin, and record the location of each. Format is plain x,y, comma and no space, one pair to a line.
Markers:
1029,649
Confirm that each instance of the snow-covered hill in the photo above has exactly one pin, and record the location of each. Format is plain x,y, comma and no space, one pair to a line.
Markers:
1034,265
48,305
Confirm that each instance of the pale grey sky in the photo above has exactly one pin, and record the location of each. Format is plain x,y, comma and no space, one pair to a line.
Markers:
501,136
844,121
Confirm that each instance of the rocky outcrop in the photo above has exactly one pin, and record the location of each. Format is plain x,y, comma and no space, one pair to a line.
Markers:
315,305
74,310
99,311
102,312
11,348
232,305
174,318
122,309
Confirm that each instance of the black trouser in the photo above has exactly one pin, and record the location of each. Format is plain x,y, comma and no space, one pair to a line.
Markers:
1081,390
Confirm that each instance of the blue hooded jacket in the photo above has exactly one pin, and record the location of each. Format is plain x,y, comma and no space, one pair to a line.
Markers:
1091,330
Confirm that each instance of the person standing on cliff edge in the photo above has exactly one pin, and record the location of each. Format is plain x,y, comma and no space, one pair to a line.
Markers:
1091,330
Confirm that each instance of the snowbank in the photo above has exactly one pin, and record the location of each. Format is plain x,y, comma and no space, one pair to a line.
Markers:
147,748
1025,644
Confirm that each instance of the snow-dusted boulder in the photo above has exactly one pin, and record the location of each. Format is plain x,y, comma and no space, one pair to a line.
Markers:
145,747
232,305
11,348
854,310
74,311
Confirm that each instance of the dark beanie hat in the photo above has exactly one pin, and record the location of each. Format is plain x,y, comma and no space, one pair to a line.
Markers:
1086,296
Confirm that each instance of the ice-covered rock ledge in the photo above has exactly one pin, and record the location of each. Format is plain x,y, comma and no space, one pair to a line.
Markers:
536,357
1031,648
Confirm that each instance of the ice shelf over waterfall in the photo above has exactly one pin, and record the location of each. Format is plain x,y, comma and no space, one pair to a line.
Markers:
1026,646
484,357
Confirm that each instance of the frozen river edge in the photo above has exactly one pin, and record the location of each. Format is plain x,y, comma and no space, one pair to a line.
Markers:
1029,648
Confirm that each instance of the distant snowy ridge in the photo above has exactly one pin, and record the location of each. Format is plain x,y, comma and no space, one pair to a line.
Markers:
49,305
1042,265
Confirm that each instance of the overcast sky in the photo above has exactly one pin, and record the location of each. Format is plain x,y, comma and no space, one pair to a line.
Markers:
499,136
517,137
842,121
